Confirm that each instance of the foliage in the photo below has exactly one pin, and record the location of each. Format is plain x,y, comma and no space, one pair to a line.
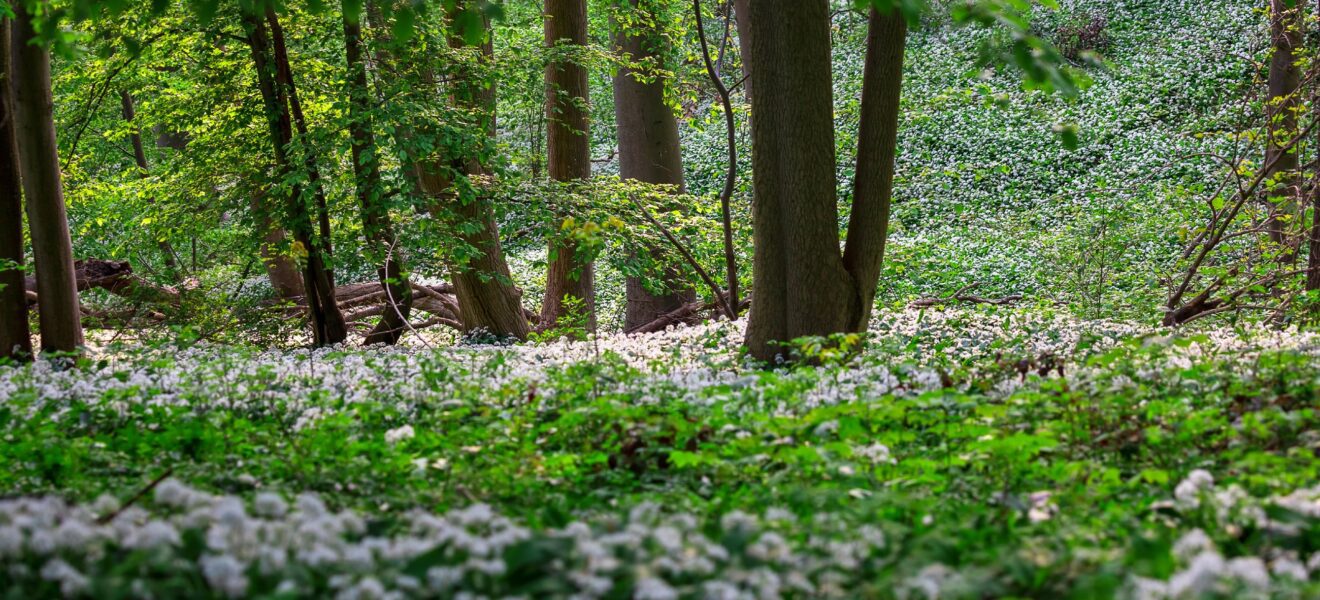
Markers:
1009,452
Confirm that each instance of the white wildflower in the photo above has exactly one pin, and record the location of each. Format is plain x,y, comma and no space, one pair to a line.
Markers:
399,434
1189,490
225,575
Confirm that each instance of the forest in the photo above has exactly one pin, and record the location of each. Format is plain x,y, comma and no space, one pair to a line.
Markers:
660,299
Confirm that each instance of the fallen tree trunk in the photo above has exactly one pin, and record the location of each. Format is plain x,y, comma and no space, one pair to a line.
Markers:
114,276
961,296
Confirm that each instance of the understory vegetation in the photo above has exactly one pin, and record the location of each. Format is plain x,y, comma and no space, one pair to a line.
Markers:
1002,452
484,315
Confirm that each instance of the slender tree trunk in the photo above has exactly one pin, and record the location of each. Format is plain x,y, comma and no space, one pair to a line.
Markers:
39,165
15,338
376,226
483,284
284,75
1313,264
140,156
1281,110
328,326
877,145
649,152
568,150
801,284
731,174
741,10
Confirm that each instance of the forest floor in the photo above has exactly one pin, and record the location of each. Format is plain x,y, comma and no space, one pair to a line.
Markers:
969,452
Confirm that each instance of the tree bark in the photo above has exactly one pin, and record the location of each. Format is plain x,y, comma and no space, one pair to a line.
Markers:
1313,261
284,76
801,284
568,154
649,152
741,11
800,287
328,326
15,337
376,225
39,165
877,146
487,299
1281,109
281,269
140,157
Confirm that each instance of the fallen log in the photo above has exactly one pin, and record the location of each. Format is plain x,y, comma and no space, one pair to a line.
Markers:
114,276
961,296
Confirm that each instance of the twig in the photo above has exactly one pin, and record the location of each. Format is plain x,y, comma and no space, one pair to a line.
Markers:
138,496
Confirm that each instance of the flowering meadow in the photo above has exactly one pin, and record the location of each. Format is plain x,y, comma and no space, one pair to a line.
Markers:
967,453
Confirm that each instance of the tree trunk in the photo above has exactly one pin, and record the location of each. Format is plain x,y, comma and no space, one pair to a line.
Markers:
649,152
741,11
281,269
568,154
140,156
15,338
801,285
328,326
284,75
376,226
39,165
487,299
877,145
1281,110
1313,261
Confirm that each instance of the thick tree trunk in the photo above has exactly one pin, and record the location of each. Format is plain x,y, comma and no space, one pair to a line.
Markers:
877,144
15,337
1281,113
328,326
140,156
281,269
376,225
649,152
39,164
487,299
568,154
801,285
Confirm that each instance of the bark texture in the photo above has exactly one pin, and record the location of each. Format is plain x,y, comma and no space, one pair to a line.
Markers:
568,154
328,325
15,337
1313,264
1281,111
649,152
741,12
39,165
801,284
483,284
877,145
376,225
281,269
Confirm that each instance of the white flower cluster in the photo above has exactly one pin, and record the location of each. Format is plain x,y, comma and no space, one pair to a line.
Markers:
694,365
466,553
1206,572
